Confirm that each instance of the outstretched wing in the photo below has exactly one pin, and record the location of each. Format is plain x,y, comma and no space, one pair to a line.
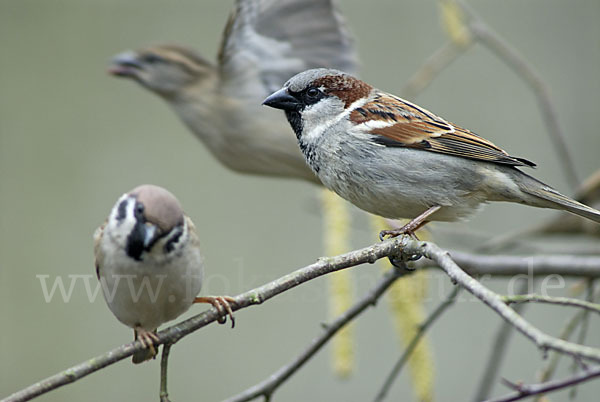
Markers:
395,122
280,38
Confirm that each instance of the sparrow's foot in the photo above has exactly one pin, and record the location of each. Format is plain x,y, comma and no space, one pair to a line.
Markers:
411,227
397,232
147,339
400,262
223,306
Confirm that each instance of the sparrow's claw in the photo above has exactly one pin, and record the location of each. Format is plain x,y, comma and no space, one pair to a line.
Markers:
147,339
411,227
400,262
223,306
397,232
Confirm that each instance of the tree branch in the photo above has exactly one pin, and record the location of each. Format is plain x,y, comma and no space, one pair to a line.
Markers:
540,265
176,332
267,387
563,301
566,332
524,390
414,342
485,35
391,247
433,66
164,365
498,352
540,339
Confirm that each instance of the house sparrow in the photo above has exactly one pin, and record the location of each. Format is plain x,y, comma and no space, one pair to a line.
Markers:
395,159
264,43
149,264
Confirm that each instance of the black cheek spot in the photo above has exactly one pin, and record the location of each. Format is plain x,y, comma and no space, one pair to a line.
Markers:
135,242
170,246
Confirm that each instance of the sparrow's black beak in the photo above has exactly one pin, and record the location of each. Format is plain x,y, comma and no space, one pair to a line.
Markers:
281,100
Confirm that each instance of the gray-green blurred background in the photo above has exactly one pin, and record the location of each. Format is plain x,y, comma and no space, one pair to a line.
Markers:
72,139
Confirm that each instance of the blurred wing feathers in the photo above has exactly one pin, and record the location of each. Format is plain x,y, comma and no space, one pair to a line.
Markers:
280,38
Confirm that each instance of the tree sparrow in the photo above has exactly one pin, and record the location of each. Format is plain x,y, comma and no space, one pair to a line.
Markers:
395,159
149,264
264,43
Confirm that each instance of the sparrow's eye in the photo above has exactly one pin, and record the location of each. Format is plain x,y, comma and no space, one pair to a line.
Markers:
139,209
312,92
151,58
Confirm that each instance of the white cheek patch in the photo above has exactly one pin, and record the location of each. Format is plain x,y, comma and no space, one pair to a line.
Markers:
122,220
324,114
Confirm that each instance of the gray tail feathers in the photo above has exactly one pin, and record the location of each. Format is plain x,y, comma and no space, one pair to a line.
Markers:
547,197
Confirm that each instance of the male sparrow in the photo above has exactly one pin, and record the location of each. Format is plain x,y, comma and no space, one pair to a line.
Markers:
149,264
393,158
264,43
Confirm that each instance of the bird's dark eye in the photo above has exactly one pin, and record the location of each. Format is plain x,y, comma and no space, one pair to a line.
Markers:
151,58
139,209
312,92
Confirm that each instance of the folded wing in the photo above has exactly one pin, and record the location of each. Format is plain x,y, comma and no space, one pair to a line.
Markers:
395,122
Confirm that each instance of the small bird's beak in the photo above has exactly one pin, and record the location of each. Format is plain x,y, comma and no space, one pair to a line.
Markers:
125,64
281,100
151,234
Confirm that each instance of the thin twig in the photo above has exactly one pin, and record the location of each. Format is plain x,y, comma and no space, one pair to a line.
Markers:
267,387
391,247
176,332
164,364
533,266
498,349
526,390
563,301
486,36
565,334
583,329
542,340
414,342
433,66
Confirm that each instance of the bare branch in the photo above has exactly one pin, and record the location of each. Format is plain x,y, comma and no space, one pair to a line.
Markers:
540,339
524,390
164,365
497,352
391,247
486,36
414,342
433,66
583,330
566,332
174,333
563,301
267,387
540,265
